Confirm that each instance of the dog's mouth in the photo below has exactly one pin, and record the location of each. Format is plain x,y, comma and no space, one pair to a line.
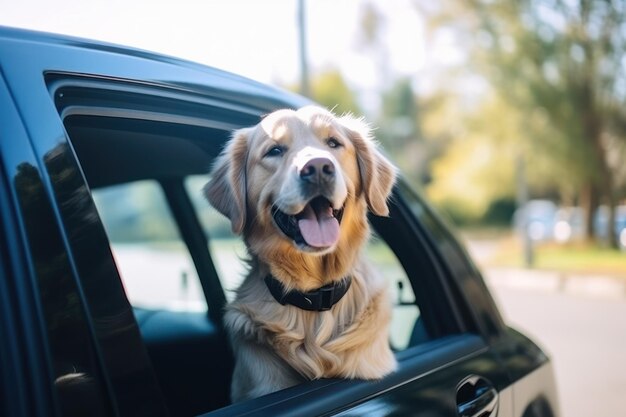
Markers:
317,226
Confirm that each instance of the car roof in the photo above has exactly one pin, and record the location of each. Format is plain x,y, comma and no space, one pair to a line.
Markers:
69,65
72,54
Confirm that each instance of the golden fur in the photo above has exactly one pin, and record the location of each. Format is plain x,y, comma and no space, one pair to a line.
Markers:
278,346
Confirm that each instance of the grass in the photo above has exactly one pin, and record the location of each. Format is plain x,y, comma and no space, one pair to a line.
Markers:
579,257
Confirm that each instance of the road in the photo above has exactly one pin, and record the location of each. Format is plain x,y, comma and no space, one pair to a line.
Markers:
580,321
586,338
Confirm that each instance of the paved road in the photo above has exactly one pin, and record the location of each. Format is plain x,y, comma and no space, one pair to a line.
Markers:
586,336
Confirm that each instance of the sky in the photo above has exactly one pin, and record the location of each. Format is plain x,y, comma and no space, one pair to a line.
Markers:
257,39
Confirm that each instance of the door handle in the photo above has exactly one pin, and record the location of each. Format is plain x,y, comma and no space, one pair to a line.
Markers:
476,397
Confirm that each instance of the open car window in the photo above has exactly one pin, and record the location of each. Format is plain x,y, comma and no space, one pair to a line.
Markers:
176,254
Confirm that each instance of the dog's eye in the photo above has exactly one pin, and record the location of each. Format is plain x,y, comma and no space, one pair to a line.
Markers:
275,151
333,142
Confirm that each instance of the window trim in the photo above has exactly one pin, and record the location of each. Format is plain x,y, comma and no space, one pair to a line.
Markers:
24,353
26,350
80,94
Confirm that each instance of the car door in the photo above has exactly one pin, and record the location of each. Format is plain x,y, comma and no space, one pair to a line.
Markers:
87,351
462,373
447,360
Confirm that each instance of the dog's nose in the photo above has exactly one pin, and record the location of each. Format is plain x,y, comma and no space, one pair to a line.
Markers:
317,170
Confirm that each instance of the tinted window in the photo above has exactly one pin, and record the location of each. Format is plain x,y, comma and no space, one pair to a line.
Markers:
78,382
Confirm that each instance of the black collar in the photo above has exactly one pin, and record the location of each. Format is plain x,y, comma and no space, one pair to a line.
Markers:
321,299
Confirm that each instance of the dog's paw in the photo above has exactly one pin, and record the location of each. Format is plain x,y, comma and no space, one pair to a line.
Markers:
380,370
376,365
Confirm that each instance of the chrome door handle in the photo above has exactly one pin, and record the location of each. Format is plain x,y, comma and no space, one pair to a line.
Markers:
476,397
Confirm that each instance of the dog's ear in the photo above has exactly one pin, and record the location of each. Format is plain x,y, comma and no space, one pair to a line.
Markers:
227,189
378,175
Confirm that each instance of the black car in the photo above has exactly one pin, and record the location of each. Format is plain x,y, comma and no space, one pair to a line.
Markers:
114,272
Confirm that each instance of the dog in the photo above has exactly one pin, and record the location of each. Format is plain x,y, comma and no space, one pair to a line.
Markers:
297,187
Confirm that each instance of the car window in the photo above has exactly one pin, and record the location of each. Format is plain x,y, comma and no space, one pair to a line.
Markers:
154,262
144,236
229,255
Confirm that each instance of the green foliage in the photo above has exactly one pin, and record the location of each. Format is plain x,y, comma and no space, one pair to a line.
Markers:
399,131
329,88
500,212
575,257
555,77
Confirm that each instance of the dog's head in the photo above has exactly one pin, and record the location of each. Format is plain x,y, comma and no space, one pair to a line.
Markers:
301,180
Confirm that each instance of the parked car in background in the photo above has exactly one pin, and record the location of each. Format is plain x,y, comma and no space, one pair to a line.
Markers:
537,219
544,221
114,273
569,224
601,222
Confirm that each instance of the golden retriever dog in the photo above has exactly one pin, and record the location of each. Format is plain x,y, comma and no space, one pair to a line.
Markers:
297,186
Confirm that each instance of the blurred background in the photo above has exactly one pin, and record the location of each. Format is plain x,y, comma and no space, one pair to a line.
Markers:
509,115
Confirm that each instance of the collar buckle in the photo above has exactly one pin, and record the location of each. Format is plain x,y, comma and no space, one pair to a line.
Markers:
326,298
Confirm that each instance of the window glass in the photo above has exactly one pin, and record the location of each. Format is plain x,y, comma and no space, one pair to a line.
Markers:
227,250
153,261
79,386
229,254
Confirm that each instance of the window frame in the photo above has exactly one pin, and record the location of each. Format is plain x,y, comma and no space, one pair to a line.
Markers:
156,92
34,257
451,332
24,353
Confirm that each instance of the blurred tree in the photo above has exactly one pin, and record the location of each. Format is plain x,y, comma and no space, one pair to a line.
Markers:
330,89
480,146
372,24
399,131
559,65
476,167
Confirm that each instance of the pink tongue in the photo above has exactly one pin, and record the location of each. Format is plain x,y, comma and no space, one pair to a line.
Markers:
319,229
